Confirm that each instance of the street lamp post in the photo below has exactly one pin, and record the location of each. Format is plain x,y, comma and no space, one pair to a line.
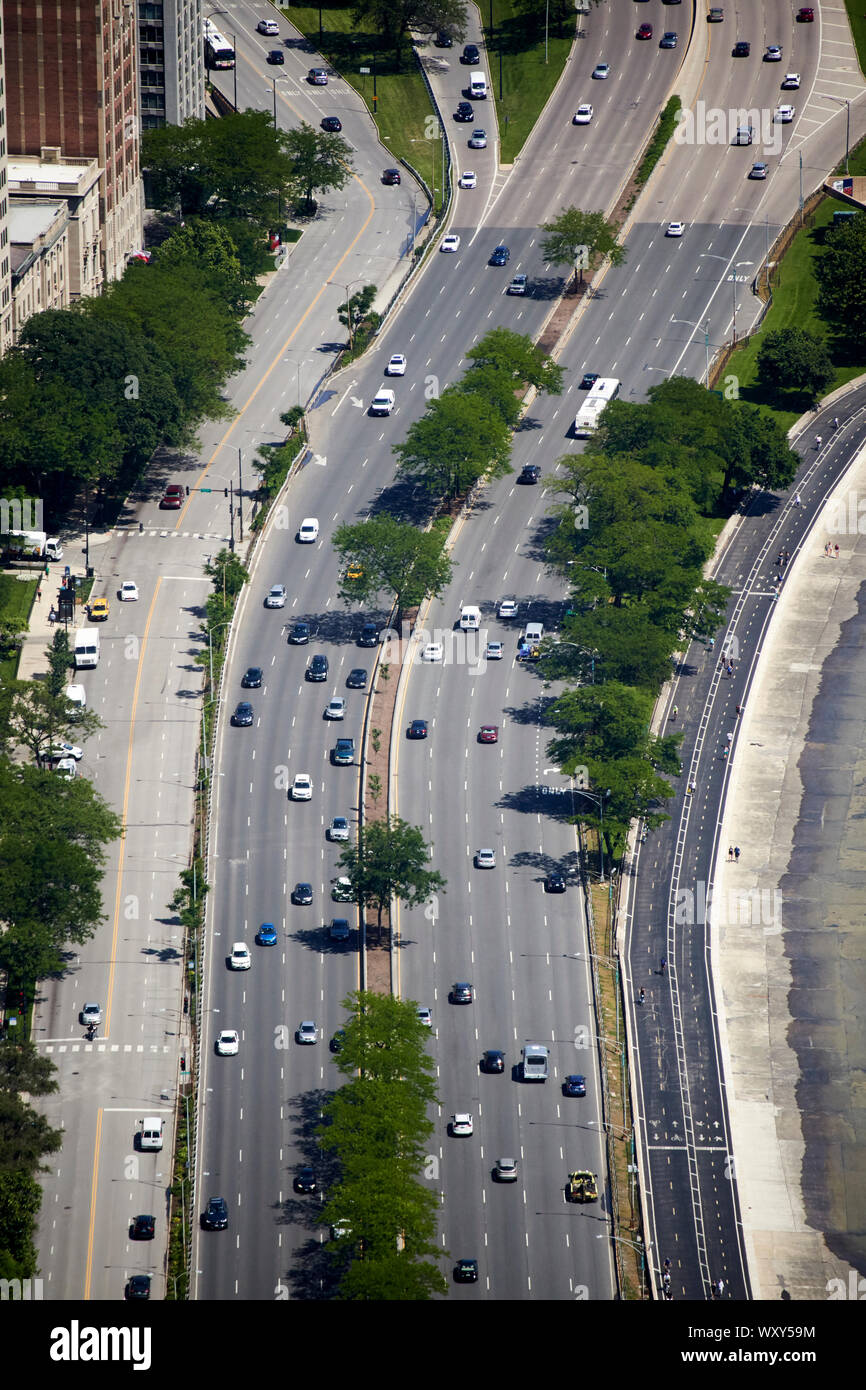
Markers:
641,1249
601,798
235,47
706,342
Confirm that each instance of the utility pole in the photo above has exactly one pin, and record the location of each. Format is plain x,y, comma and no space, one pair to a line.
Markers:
240,496
235,47
231,528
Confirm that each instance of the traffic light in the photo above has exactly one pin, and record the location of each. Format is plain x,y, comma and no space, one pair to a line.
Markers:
187,490
225,492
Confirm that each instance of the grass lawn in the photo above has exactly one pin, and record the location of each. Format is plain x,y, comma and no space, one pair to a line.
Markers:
527,80
16,600
795,293
404,116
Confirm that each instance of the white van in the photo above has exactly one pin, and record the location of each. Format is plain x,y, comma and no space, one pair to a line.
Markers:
534,1062
477,85
470,618
151,1132
534,633
86,648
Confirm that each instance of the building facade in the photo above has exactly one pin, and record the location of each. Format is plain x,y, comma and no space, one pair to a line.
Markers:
72,84
6,320
39,250
170,62
47,177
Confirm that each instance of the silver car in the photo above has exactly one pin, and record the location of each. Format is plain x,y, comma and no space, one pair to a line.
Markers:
276,596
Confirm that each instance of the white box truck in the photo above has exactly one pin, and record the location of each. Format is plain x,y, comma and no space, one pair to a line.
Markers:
534,1062
36,544
86,648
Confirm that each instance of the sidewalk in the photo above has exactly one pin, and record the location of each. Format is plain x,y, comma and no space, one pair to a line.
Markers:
32,664
791,979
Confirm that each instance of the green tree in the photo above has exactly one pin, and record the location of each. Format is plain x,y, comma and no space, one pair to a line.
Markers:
459,440
358,315
209,245
396,1277
386,1041
841,274
61,660
516,355
20,1201
391,19
319,162
25,1136
39,719
22,1069
793,359
53,835
237,167
396,558
574,228
390,861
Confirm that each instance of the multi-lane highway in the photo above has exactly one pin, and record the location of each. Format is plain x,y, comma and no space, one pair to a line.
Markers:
524,951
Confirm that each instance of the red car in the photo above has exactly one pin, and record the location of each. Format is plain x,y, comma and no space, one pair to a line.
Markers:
806,16
645,32
488,733
173,498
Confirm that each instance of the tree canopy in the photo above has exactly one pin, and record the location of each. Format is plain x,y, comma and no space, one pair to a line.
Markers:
396,558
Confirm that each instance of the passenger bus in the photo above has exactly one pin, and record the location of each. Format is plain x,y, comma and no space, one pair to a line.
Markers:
218,52
587,418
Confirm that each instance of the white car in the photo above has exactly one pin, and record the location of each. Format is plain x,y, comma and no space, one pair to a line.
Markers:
65,750
450,243
302,787
461,1125
508,608
791,82
91,1013
240,958
517,286
773,54
494,651
485,859
432,652
601,71
307,1032
342,890
338,829
336,708
396,365
425,1017
675,229
67,768
276,596
128,591
383,402
583,115
478,140
227,1043
469,179
308,531
784,114
268,26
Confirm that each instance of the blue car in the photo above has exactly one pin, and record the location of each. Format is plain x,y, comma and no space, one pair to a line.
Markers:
574,1086
267,934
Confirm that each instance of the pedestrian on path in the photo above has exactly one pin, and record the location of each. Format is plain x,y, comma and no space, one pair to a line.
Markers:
739,710
730,668
730,739
730,851
798,501
737,853
836,551
38,592
827,548
52,616
641,996
817,441
725,751
664,965
712,643
674,712
787,558
779,558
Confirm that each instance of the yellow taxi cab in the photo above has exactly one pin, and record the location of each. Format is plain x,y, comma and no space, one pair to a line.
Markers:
98,610
355,571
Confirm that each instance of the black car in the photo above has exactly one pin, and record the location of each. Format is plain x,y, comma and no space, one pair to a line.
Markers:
501,255
216,1214
252,678
554,883
305,1180
302,894
138,1286
461,993
277,55
444,39
470,54
299,635
466,1272
741,50
344,752
339,930
529,473
336,1043
142,1228
493,1061
332,123
243,715
368,636
464,112
574,1086
357,679
391,176
318,668
588,380
417,729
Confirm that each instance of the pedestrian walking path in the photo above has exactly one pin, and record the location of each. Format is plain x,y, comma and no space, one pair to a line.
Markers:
789,927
